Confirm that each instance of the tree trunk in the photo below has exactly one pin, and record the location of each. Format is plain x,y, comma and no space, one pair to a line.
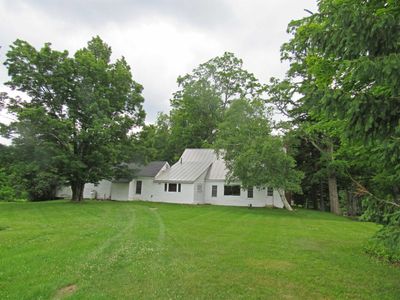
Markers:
77,191
349,203
284,200
321,197
396,196
333,194
332,186
356,209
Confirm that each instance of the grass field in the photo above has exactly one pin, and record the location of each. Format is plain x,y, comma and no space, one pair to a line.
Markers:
109,250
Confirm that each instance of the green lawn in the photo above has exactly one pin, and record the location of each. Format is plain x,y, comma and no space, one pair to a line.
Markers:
110,250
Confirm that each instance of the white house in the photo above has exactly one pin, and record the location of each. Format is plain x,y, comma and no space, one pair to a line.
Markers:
199,177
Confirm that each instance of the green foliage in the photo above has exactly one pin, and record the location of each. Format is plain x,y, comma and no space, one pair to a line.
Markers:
351,52
81,109
344,62
154,141
3,97
251,153
7,191
198,107
31,168
386,244
227,78
196,113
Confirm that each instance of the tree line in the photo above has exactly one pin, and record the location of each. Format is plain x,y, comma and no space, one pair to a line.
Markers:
336,149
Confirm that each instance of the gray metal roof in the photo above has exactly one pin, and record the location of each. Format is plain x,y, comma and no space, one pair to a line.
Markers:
218,170
151,169
197,155
192,164
185,172
138,170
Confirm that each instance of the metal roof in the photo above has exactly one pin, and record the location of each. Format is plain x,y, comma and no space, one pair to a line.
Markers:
197,155
185,172
138,170
151,169
191,165
218,170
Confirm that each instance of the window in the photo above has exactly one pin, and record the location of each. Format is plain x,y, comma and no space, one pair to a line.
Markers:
232,190
250,192
270,191
199,188
138,187
172,187
214,191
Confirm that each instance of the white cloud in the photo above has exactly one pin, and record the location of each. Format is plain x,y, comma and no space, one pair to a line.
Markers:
160,39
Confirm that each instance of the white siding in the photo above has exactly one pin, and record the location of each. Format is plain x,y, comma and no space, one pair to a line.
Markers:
103,190
260,198
154,191
119,191
199,188
147,189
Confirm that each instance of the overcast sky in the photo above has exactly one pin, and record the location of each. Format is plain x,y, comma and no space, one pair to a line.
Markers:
161,39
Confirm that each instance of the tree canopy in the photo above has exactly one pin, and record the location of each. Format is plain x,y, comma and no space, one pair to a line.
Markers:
199,104
226,76
342,89
252,154
81,108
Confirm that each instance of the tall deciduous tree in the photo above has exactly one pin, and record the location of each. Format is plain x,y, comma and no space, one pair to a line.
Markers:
252,154
203,96
227,77
82,107
196,113
153,142
313,125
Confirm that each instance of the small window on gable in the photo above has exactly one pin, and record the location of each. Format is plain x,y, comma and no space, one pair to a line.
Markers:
250,192
270,191
214,191
232,190
172,187
138,187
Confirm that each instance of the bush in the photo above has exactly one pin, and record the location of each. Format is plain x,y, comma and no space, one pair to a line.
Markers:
8,192
386,244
